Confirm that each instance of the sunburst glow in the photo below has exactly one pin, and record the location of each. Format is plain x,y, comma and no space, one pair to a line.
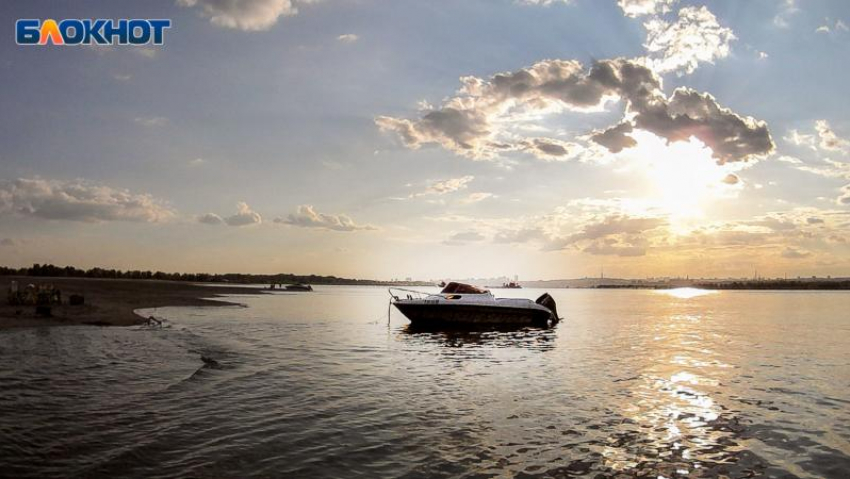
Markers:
683,176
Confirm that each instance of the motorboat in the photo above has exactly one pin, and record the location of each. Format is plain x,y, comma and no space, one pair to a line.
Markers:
464,304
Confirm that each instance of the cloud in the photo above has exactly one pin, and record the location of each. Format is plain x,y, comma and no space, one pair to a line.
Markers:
211,219
147,52
144,51
609,227
844,198
464,238
152,121
838,26
773,223
731,179
348,38
443,187
786,11
308,217
78,200
682,45
450,185
244,216
462,131
550,149
523,235
617,224
794,253
478,196
829,141
472,123
799,139
613,234
687,113
637,8
544,3
616,138
250,15
827,168
614,247
619,235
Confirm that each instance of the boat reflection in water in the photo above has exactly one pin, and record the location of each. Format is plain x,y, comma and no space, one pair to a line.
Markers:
533,338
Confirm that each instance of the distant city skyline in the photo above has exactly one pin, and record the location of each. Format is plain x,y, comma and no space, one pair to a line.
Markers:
392,139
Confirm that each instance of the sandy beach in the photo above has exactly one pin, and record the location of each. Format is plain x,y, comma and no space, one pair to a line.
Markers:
110,302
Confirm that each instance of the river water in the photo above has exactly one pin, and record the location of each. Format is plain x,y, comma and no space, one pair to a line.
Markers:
324,384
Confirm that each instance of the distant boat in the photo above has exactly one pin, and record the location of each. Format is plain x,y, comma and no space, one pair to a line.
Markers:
511,285
463,304
298,287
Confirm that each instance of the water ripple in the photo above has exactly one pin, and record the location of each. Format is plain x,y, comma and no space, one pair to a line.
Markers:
633,383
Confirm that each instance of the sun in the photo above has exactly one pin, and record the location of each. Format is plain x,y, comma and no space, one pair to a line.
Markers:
682,177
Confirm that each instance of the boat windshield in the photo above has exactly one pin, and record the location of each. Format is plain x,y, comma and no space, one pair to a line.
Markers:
461,288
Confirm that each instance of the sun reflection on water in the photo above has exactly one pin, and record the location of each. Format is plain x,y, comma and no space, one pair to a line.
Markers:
677,420
686,293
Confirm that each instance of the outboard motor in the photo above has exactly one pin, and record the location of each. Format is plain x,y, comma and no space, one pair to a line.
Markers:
549,303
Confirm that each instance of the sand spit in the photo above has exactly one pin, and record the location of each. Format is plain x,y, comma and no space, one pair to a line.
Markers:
110,302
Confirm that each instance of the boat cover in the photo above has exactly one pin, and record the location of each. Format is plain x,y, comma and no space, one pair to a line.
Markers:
461,288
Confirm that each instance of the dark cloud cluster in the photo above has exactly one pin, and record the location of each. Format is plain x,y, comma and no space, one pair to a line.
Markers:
467,124
549,148
463,131
688,113
616,138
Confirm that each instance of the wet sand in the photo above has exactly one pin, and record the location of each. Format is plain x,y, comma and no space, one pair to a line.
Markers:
110,302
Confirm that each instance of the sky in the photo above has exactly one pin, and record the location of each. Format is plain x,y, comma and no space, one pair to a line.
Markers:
434,139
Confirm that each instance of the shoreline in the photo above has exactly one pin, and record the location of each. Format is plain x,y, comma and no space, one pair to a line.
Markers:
111,302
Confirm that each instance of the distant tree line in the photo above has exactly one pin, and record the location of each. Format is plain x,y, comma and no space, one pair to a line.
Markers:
779,284
49,270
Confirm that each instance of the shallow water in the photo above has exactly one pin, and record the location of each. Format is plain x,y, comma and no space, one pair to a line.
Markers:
322,385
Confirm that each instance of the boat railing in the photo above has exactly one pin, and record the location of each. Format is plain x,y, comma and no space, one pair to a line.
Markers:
404,293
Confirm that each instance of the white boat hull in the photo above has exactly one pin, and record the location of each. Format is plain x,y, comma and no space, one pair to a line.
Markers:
473,310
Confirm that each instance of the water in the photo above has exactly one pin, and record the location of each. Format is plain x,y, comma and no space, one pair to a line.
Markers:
321,385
